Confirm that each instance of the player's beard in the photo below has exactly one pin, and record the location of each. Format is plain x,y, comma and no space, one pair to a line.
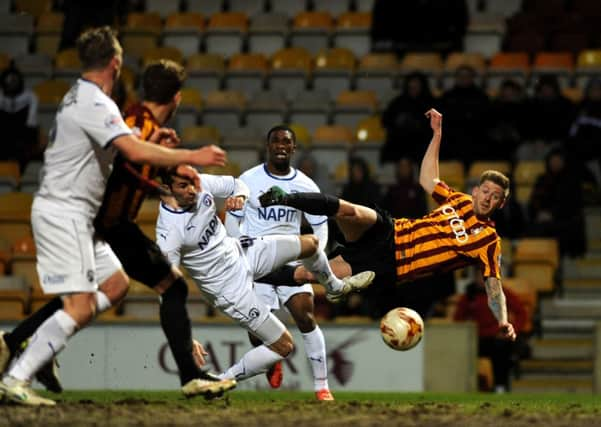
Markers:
282,166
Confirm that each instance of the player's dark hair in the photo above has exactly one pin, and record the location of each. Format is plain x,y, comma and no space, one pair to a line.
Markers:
162,80
167,174
281,127
498,178
97,46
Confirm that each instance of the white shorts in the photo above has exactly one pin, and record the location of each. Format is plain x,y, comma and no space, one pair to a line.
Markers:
276,297
69,258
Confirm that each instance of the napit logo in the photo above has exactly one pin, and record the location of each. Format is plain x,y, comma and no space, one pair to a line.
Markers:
456,223
54,279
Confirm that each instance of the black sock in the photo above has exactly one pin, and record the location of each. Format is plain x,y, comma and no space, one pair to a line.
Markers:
177,328
313,203
283,276
27,327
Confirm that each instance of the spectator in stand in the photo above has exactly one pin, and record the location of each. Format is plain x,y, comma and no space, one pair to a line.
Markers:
556,205
585,132
466,108
403,119
508,113
550,114
361,188
399,25
18,117
405,198
473,305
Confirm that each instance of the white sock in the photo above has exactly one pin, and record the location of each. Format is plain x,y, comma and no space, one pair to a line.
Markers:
319,266
102,302
49,339
254,362
315,347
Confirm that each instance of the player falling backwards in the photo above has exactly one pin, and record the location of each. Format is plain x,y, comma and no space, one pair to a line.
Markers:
456,234
190,233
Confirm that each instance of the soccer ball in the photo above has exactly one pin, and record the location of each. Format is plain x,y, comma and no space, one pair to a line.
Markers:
402,328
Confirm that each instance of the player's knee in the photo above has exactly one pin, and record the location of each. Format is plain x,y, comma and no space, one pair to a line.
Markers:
116,287
306,323
284,345
81,307
309,245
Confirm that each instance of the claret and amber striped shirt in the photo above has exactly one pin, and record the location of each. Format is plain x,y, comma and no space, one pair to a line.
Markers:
448,238
128,184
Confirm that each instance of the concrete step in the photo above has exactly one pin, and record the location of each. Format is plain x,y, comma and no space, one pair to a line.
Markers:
556,367
545,384
582,268
564,308
568,327
561,348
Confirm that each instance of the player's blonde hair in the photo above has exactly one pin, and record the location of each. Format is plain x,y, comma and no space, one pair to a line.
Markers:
498,178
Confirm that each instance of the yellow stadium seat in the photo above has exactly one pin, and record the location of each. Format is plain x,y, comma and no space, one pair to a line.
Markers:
574,94
302,134
370,130
206,62
164,52
379,61
68,59
248,62
537,250
4,61
293,58
231,168
313,20
527,171
524,291
556,61
589,59
51,22
228,21
15,206
335,59
10,172
51,92
357,98
523,193
225,99
148,211
36,8
504,61
136,45
200,135
453,173
426,62
457,59
354,20
143,23
188,21
478,167
540,276
333,134
48,33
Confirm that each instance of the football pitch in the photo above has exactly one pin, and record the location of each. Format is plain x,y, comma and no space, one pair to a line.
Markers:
283,408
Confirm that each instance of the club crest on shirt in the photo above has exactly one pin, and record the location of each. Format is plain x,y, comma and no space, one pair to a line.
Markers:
207,200
477,230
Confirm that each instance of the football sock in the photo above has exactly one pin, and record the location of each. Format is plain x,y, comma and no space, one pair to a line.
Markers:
47,342
315,347
27,327
254,362
283,276
313,203
177,328
319,266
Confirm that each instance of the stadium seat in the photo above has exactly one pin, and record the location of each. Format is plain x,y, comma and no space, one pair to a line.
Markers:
165,52
353,32
9,176
507,65
428,63
14,297
458,59
333,7
4,61
333,71
15,33
527,295
377,72
30,179
15,211
557,63
162,7
333,134
197,136
189,108
48,33
303,137
453,173
526,172
370,130
353,106
206,7
484,34
226,32
290,70
249,7
140,34
24,262
289,8
537,250
310,109
231,168
588,65
266,109
311,30
36,67
330,145
245,157
244,137
477,167
50,93
184,31
540,276
67,65
35,8
223,109
205,72
246,73
267,33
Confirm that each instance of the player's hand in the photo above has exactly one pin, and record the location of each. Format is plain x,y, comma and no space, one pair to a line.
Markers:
166,137
435,119
234,203
211,155
199,353
506,331
187,171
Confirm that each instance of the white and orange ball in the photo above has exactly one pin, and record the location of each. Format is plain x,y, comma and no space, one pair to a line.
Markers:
402,328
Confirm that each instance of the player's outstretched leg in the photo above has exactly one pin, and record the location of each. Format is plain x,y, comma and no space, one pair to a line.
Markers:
311,203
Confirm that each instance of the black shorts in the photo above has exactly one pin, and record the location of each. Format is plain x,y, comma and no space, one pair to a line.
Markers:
374,251
141,257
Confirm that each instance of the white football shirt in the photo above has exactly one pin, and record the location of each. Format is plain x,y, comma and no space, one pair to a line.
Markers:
259,221
196,238
79,156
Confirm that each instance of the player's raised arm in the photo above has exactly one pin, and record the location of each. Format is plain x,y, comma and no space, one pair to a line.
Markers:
428,174
498,306
140,152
